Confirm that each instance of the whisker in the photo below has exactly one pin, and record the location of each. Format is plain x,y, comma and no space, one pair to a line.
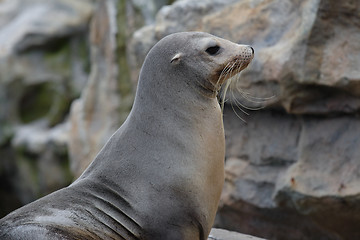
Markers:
239,105
246,107
224,71
247,96
237,114
234,69
257,98
227,84
224,94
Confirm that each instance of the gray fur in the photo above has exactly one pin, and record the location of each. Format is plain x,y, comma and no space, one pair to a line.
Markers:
160,175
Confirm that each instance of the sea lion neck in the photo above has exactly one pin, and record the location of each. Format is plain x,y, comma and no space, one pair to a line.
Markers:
173,97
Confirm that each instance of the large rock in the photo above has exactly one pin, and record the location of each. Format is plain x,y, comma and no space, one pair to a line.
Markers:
105,101
296,61
147,8
185,15
221,234
44,79
41,158
287,176
38,22
108,95
302,54
43,67
325,182
264,196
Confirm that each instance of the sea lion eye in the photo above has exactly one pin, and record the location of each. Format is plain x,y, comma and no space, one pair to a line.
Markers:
213,50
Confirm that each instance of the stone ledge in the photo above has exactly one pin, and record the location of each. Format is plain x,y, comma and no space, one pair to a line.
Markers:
221,234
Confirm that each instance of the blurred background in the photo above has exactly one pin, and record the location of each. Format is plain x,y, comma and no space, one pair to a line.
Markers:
68,74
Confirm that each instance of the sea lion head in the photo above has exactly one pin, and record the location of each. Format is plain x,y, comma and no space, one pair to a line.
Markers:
200,59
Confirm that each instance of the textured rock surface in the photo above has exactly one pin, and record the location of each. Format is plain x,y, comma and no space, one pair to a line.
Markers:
43,61
286,175
221,234
185,15
262,191
95,116
301,51
308,69
108,95
27,28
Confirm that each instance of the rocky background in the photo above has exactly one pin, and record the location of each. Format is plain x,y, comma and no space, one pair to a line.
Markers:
68,71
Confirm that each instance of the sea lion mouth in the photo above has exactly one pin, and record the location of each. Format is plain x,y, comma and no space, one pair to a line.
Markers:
233,67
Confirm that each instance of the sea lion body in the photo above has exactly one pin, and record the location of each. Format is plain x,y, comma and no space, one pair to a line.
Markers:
161,173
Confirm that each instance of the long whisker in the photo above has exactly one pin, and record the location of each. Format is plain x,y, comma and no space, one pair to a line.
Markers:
228,71
227,84
238,104
222,76
224,71
248,97
234,69
246,107
237,114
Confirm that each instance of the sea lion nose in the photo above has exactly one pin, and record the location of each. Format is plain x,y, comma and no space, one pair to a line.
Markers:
252,50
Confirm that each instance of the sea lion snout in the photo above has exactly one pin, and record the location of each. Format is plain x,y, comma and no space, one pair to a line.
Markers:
237,58
242,59
245,57
247,54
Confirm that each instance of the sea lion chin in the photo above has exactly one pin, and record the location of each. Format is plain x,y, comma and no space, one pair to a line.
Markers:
161,173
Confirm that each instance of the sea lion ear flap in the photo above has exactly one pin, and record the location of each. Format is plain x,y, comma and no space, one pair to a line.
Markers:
176,58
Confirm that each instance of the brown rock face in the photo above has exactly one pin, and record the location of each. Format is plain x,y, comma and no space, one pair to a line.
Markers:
306,49
292,169
291,176
43,54
89,115
105,100
221,234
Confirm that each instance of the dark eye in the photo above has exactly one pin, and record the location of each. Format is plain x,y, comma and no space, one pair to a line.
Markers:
213,50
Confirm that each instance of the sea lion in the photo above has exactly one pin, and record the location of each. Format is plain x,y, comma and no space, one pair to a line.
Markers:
161,173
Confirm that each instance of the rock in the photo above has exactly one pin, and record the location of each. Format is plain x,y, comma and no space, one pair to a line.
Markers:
43,67
108,96
296,60
292,167
96,115
259,156
221,234
324,181
34,164
184,15
291,57
148,9
40,84
36,136
41,156
27,28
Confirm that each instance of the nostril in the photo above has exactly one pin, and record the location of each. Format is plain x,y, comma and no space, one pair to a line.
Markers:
252,50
